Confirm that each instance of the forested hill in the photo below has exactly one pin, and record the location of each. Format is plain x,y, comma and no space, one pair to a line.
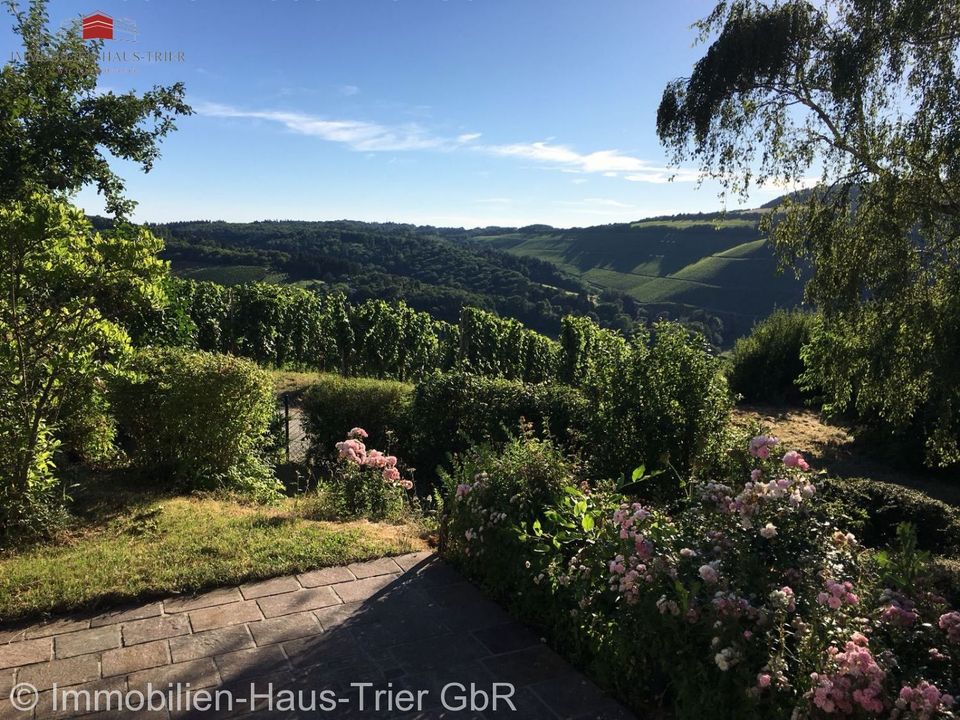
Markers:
718,263
709,271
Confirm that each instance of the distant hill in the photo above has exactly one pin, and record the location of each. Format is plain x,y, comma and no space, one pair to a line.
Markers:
718,263
713,271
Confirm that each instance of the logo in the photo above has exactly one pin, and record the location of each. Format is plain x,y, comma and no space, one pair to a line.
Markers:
100,26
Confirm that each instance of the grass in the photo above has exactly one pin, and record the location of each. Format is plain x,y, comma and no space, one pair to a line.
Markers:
129,545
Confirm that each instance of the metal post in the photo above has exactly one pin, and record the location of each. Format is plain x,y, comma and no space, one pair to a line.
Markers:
286,423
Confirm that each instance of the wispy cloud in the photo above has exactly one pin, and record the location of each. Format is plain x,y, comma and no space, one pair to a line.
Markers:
377,137
358,134
610,163
349,90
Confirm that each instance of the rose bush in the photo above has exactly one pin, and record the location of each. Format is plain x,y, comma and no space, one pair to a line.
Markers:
367,482
745,600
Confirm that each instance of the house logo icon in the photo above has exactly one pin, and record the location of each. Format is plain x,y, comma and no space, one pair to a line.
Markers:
100,26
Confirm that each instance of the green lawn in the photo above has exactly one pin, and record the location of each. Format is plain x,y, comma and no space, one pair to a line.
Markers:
139,546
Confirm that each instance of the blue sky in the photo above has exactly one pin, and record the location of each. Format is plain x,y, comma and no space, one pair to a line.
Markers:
444,112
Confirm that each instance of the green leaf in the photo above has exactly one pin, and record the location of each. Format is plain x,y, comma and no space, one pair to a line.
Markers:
587,523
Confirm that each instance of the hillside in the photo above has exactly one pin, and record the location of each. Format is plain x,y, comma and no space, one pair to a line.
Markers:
716,263
711,271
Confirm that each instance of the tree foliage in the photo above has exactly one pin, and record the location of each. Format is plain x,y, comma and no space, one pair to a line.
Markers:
57,131
867,94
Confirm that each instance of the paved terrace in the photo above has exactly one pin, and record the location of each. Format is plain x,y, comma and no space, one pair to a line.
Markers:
403,623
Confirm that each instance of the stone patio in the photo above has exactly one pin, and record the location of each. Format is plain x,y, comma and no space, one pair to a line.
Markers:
410,626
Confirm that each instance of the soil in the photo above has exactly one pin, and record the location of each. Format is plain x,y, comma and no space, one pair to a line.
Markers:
834,447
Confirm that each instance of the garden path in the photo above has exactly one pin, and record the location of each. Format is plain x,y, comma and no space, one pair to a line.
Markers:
406,623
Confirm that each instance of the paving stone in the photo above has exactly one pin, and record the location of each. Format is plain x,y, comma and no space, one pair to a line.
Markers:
251,591
199,673
87,641
528,666
526,703
252,663
299,601
25,652
371,568
325,576
123,661
72,671
466,609
572,697
208,599
506,638
225,615
155,628
127,615
57,627
434,681
325,652
411,560
91,697
12,635
286,627
430,653
6,681
336,616
359,590
211,642
8,712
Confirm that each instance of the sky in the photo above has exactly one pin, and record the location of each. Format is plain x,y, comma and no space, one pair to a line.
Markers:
440,112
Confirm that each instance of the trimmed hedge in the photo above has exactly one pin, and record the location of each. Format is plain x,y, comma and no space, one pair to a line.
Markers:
195,418
767,363
882,506
455,411
335,404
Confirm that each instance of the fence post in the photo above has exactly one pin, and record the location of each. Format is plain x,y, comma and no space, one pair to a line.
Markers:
286,423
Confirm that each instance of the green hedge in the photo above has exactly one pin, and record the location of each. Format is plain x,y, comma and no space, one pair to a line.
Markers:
454,411
335,404
196,418
878,507
767,363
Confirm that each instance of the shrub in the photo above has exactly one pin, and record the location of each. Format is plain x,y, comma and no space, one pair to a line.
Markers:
884,506
455,411
767,363
664,404
366,482
197,419
745,602
335,404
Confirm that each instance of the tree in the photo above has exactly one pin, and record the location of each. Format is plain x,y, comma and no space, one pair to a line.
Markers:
64,287
867,94
57,340
56,128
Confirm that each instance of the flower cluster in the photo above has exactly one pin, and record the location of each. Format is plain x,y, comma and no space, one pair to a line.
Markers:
950,624
923,701
837,594
856,682
761,444
898,609
354,451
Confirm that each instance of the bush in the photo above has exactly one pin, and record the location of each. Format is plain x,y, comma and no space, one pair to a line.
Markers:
884,506
455,411
334,405
366,482
665,404
767,363
746,601
197,419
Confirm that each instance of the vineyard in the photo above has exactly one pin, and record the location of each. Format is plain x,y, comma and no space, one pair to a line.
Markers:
288,326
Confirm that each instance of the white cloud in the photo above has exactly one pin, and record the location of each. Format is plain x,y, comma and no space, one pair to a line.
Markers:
377,137
611,163
358,134
349,90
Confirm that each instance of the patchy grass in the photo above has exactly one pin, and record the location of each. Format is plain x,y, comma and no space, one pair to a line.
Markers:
834,447
136,546
292,382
